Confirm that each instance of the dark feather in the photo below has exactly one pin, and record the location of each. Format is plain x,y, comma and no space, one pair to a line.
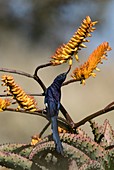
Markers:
56,137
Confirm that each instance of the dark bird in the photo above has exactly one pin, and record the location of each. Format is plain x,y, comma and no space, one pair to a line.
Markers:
52,103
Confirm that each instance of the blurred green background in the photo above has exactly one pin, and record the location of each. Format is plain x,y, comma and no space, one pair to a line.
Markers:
30,32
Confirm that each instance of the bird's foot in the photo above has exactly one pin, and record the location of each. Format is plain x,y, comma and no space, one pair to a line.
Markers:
59,148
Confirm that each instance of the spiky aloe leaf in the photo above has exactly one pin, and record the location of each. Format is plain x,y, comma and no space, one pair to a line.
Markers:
88,146
70,153
84,144
97,131
108,139
110,152
92,165
20,149
81,132
14,161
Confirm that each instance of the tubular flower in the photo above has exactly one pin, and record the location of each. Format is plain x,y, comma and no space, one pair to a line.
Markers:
86,70
25,101
35,140
61,130
4,103
66,51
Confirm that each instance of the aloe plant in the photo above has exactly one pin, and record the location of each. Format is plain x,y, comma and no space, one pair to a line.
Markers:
80,151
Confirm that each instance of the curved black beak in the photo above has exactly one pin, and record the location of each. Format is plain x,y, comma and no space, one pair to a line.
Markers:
68,70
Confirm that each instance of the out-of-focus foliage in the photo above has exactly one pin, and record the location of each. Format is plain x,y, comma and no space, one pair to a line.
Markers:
38,20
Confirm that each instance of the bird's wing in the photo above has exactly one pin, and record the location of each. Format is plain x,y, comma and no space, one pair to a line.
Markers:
51,103
52,93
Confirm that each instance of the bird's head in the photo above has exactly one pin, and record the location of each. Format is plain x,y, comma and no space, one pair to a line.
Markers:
61,77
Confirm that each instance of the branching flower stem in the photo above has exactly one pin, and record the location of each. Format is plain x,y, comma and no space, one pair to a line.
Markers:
37,78
68,120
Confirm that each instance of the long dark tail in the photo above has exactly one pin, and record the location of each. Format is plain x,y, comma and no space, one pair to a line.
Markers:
56,137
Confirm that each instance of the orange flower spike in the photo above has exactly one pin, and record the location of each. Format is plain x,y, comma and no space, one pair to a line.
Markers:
64,53
25,101
86,70
4,103
98,54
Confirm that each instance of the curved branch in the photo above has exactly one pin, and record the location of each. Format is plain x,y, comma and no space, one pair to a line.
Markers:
44,129
67,116
37,78
69,81
96,114
38,112
109,105
41,66
31,94
16,72
69,121
62,109
61,121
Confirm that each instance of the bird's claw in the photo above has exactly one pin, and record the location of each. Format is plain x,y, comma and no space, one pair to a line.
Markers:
59,148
